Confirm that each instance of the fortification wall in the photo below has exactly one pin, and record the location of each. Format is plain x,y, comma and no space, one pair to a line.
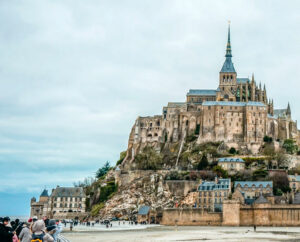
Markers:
270,215
190,216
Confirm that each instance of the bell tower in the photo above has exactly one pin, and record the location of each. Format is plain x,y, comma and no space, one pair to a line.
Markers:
227,76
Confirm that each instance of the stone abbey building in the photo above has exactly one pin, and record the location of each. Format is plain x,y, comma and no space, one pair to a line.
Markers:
237,112
63,203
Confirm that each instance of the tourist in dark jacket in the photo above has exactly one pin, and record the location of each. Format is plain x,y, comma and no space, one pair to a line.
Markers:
5,234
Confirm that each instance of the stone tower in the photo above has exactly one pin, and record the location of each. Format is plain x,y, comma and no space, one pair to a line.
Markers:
227,76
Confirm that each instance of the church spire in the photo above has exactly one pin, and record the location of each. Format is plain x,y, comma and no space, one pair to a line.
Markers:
228,65
288,110
228,47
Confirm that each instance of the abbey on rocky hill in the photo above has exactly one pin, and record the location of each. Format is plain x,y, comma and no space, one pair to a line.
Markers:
238,113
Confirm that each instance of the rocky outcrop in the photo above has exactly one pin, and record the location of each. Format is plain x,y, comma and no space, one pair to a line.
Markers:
137,188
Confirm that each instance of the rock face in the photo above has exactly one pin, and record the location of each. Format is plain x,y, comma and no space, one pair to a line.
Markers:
137,188
147,189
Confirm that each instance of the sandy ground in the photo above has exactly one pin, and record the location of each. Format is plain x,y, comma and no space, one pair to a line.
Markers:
181,233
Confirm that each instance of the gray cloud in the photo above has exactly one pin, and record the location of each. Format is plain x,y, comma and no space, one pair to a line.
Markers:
76,74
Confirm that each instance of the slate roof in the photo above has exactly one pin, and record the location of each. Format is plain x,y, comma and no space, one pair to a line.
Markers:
255,183
243,80
230,159
202,92
240,104
280,113
297,178
44,193
143,210
212,186
261,200
68,192
176,104
228,66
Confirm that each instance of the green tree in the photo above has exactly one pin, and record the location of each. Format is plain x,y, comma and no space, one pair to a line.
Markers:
103,170
260,174
232,151
148,159
203,163
220,172
290,146
268,139
280,182
122,157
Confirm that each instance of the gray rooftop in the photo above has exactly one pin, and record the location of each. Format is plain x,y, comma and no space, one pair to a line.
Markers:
254,183
212,186
201,92
280,113
242,80
230,159
68,192
240,104
143,210
261,200
228,66
45,193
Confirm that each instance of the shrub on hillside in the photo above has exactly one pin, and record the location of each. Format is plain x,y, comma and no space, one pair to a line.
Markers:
122,157
103,170
290,146
148,159
232,151
268,139
203,163
280,182
220,172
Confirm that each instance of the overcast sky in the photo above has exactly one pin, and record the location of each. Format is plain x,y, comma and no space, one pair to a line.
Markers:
74,75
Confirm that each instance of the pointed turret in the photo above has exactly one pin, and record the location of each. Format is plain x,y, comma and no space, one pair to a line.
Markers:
288,110
252,80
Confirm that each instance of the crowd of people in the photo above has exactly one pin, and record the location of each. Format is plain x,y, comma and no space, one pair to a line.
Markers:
46,230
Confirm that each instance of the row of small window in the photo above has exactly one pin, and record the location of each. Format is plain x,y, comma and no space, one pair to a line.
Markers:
211,193
68,199
209,200
235,107
61,205
150,124
200,100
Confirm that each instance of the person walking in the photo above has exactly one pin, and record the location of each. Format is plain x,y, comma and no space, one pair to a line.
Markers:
25,235
38,232
5,234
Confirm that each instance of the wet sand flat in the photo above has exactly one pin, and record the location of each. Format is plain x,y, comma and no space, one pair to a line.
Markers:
182,233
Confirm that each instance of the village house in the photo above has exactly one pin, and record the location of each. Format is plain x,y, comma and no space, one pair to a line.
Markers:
212,193
251,190
64,202
231,164
294,182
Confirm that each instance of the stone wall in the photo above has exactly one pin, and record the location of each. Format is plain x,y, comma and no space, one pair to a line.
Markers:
181,188
190,216
270,215
235,214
